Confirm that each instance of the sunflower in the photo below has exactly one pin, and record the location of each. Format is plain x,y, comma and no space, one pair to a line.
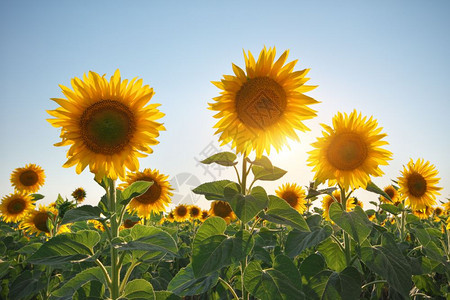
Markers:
155,199
195,212
393,193
438,211
28,179
129,223
108,124
16,206
446,207
36,221
79,195
260,107
181,213
97,225
349,153
418,184
294,195
170,217
424,213
328,200
222,209
204,215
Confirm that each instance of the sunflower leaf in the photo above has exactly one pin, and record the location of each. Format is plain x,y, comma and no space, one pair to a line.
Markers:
390,208
298,241
355,223
247,207
82,213
134,190
372,187
69,288
185,283
264,162
226,159
138,289
261,173
212,190
280,212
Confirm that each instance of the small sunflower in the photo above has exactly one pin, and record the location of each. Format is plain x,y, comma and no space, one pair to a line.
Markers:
204,215
222,209
15,207
181,213
393,193
79,195
108,124
170,217
129,223
294,195
350,152
195,212
446,207
261,106
418,184
328,200
155,199
424,213
36,221
28,179
438,211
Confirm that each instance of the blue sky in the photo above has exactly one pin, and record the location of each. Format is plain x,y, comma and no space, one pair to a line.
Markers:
388,59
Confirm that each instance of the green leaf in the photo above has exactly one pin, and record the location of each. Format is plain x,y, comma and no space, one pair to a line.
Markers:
72,285
82,213
280,212
186,284
298,241
311,266
390,208
135,189
65,248
37,197
138,289
212,190
333,254
345,285
247,207
426,284
261,173
166,295
388,262
243,243
355,223
91,290
372,187
226,159
26,285
273,283
264,162
314,193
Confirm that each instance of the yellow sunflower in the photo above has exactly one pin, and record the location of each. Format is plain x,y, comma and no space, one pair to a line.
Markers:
16,206
446,207
393,193
79,195
328,200
107,124
424,213
261,106
222,209
36,221
195,212
350,152
294,195
129,223
170,217
28,179
155,199
204,215
418,184
181,213
438,211
97,225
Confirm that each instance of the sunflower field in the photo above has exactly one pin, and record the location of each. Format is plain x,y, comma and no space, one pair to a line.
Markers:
314,242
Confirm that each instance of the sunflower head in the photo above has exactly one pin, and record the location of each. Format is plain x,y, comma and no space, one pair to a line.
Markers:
327,200
446,207
170,217
155,199
294,195
108,124
418,184
28,179
79,195
222,209
393,193
261,106
438,211
181,213
16,206
195,212
204,215
36,221
350,152
424,213
129,223
97,225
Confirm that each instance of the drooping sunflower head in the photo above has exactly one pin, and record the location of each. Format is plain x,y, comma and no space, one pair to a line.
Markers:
181,213
294,195
195,212
261,106
36,221
424,213
155,199
393,193
28,179
350,152
79,195
108,124
16,206
222,209
418,184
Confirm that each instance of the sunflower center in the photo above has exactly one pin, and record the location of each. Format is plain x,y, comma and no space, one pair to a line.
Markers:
291,198
347,151
129,223
182,211
417,185
153,193
29,178
260,102
222,209
107,127
40,221
16,206
195,212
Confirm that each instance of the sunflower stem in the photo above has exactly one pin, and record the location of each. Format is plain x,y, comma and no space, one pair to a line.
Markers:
347,245
115,265
229,288
244,192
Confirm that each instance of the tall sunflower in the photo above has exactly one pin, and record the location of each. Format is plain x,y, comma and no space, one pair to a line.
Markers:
28,179
350,152
14,207
108,124
261,106
181,213
418,184
393,194
294,195
36,221
222,209
155,199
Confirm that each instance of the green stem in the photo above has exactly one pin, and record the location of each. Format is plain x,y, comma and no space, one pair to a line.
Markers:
115,267
127,275
373,282
104,271
244,192
229,288
347,245
403,225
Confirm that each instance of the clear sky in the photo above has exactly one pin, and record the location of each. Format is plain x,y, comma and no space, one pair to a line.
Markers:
388,59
